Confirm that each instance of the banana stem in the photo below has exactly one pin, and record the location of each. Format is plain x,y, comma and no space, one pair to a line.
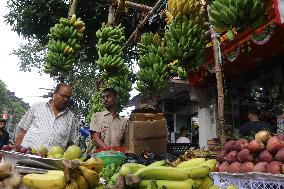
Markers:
72,7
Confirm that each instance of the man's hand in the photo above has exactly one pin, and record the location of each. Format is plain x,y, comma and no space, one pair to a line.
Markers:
20,136
98,141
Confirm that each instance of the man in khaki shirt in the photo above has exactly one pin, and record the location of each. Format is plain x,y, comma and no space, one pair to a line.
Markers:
107,127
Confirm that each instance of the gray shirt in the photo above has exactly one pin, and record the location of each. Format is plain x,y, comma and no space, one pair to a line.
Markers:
44,129
113,130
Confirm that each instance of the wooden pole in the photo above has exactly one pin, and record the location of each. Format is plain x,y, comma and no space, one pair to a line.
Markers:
141,24
220,88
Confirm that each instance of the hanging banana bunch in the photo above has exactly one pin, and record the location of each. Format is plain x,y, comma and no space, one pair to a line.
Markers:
153,74
96,104
113,70
122,85
110,41
185,36
63,44
226,14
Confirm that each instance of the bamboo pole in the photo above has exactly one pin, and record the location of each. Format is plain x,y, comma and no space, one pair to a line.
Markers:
220,88
135,33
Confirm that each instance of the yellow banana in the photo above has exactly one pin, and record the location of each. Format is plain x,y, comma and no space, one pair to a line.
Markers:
91,176
162,173
94,164
78,23
82,29
169,184
81,181
191,162
45,181
206,183
73,185
73,19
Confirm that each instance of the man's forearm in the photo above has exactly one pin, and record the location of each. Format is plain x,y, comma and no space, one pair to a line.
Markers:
98,142
20,136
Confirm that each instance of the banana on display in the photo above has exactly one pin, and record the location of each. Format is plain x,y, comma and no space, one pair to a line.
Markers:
111,64
226,14
83,178
63,44
153,74
110,41
185,36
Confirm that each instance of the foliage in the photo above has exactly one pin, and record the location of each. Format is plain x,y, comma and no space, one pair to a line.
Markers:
31,55
13,106
33,19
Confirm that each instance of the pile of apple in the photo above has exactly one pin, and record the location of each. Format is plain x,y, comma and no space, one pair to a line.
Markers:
264,154
55,152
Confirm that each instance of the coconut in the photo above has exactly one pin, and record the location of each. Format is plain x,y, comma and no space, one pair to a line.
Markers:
13,181
262,136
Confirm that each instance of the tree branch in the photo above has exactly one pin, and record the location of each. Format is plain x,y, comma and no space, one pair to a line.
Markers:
130,4
143,8
135,33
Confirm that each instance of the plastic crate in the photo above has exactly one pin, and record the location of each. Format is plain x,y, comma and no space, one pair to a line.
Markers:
249,180
177,149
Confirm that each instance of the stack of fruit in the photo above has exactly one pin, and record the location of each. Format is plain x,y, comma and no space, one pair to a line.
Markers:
264,154
226,14
193,153
86,176
193,173
8,177
113,70
153,74
56,152
185,35
63,45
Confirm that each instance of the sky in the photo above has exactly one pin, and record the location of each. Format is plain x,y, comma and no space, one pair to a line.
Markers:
25,84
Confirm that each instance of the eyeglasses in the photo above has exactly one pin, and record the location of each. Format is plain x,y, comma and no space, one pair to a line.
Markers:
64,96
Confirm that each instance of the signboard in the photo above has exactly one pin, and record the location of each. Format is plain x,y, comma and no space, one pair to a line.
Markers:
279,9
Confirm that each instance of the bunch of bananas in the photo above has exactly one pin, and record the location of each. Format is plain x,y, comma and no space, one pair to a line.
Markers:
185,36
96,104
193,173
113,70
192,8
63,44
226,14
186,42
193,153
84,177
110,42
122,85
153,74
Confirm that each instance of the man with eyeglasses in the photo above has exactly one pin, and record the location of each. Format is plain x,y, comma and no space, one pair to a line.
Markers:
107,128
48,124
